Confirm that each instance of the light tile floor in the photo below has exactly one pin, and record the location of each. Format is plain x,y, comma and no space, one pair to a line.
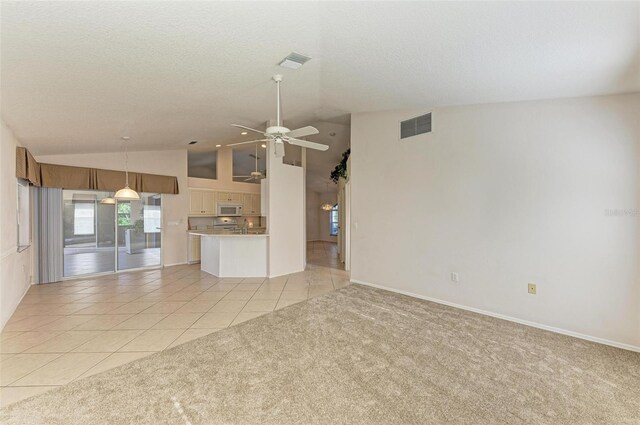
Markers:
68,330
323,254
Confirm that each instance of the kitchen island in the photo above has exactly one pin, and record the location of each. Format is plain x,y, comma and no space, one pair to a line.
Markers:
233,255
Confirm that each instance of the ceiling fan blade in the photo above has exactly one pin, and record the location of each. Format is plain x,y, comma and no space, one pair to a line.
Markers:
306,144
240,177
247,128
303,131
249,179
246,143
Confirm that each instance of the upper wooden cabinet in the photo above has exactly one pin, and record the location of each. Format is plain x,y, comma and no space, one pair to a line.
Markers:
251,204
255,204
230,197
202,202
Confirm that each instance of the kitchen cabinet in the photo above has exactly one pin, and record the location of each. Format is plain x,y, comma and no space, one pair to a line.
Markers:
230,197
251,204
264,197
255,204
194,249
202,202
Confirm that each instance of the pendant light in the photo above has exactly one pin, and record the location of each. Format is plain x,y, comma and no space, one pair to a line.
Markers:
126,193
326,206
109,200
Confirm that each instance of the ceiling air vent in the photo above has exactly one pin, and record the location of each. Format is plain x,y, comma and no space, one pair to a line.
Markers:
294,60
415,126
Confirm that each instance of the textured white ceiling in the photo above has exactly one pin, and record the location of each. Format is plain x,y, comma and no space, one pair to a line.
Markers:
75,76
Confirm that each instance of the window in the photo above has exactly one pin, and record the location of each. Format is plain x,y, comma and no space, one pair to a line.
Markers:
202,164
333,220
247,160
151,214
124,214
83,218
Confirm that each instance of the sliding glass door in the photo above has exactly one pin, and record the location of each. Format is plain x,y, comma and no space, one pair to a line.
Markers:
102,235
139,232
89,233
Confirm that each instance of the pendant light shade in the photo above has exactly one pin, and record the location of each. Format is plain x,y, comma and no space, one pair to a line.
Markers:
108,201
126,193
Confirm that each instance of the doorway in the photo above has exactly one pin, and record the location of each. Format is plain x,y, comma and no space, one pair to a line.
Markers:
103,235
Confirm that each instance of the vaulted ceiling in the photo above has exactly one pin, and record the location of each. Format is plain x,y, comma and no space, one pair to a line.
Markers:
76,76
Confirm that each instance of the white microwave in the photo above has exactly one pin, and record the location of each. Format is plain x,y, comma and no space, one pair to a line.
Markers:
229,210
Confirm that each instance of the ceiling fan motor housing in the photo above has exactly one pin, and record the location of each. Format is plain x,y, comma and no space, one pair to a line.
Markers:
277,130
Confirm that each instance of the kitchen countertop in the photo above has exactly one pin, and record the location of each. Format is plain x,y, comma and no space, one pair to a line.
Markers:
225,234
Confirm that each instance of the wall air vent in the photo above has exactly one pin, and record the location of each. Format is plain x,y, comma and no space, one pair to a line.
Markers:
415,126
294,60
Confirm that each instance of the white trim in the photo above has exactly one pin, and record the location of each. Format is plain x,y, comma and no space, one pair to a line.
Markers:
283,274
15,307
509,318
178,264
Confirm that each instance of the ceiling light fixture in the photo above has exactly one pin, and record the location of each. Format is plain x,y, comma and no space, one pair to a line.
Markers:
244,133
193,142
326,206
264,145
294,60
109,200
126,193
217,146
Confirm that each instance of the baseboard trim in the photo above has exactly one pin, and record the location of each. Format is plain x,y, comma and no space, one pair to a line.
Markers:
177,264
13,310
590,338
283,274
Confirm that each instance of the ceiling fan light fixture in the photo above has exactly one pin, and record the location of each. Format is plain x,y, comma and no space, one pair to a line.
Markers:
294,61
326,206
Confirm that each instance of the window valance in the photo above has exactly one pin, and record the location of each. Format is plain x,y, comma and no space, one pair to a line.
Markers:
68,177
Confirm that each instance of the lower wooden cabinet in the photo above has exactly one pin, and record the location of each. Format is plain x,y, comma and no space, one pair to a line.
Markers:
194,249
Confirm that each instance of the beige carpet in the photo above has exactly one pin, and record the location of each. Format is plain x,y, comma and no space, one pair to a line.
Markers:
358,356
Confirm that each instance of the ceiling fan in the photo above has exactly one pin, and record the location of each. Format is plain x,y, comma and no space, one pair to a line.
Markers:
254,175
280,134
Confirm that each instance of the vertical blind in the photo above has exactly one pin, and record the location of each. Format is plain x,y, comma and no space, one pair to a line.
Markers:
48,228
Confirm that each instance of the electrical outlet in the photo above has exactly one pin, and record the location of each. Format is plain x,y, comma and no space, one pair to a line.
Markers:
531,288
455,277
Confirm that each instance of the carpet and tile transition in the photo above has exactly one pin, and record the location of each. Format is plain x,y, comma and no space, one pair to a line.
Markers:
358,356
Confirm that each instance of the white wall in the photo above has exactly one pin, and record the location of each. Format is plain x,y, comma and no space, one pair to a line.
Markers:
507,194
285,216
175,208
313,213
15,267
